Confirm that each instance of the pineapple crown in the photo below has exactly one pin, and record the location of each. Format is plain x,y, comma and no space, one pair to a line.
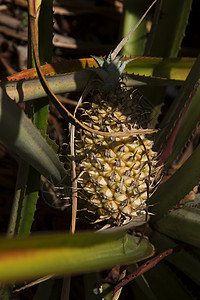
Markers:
110,71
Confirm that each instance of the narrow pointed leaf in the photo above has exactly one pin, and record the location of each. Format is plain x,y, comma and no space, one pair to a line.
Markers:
19,134
22,91
170,28
172,68
140,80
39,114
177,107
34,6
176,187
187,126
133,11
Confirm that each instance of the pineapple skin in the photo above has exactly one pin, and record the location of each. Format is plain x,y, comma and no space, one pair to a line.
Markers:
117,174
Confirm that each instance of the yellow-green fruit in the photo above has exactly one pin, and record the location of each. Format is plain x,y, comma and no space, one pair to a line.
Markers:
116,173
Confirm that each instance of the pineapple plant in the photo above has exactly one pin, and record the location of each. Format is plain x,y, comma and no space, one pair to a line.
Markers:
117,174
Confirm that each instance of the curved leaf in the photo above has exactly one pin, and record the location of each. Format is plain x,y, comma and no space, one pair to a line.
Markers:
176,187
19,134
23,258
187,126
174,113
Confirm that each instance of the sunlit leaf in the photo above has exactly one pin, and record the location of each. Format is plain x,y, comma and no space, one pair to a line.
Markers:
172,68
23,258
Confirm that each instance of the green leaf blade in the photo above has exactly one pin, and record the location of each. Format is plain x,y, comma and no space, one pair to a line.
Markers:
182,224
176,109
19,134
61,254
176,187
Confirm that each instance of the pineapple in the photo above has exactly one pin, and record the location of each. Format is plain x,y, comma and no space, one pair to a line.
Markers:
117,174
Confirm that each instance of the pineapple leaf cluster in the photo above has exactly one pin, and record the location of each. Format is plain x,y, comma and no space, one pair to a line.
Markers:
110,71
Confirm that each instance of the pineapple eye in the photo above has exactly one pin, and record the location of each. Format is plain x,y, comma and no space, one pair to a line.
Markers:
117,167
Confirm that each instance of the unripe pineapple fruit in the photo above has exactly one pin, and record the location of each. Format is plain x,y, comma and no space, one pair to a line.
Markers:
117,174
